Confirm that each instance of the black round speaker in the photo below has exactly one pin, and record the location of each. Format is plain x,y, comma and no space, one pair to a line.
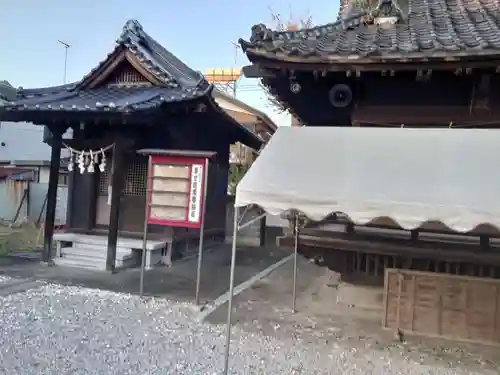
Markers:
340,95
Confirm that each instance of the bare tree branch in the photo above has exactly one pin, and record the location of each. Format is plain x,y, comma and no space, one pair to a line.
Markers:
304,22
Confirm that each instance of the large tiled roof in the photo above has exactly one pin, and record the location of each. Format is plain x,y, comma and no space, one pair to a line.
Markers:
155,58
174,82
179,82
413,30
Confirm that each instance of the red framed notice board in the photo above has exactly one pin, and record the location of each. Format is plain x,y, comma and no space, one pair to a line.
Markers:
176,188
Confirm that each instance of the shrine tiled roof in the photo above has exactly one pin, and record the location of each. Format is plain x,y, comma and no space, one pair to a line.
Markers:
401,30
178,82
121,99
156,58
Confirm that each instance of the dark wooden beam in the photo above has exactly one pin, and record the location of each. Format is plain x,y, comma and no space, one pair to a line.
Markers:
93,144
117,182
383,246
263,228
254,71
458,116
114,118
50,210
291,63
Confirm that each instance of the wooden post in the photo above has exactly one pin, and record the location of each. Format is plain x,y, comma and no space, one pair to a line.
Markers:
117,181
50,211
263,226
69,207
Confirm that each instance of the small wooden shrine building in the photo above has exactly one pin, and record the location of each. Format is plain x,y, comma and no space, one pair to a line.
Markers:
140,96
392,63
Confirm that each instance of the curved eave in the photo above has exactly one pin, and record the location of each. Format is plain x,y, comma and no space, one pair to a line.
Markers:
129,116
49,117
267,57
98,102
26,93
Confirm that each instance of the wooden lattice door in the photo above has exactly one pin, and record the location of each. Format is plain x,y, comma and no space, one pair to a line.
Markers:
133,195
133,200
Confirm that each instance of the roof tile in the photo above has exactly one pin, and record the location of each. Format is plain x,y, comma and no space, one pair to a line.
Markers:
423,28
122,99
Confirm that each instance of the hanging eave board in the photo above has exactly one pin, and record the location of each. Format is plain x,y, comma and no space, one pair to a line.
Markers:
412,176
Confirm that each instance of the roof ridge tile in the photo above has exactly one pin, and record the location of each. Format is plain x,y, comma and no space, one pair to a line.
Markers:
398,29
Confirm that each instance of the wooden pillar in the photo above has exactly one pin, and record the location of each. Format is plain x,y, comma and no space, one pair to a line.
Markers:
69,207
484,241
50,210
263,232
117,181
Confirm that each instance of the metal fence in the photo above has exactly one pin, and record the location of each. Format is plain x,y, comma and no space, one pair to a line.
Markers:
22,199
37,202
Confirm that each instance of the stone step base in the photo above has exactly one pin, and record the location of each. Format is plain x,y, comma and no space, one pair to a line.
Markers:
94,259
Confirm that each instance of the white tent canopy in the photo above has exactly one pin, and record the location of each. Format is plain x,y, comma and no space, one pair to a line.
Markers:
412,176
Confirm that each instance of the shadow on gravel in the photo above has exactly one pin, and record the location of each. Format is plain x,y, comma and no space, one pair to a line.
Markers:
176,282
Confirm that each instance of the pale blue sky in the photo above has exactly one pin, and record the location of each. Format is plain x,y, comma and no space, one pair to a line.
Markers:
198,32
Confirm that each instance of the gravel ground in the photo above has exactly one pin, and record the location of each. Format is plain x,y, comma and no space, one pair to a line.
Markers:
69,330
4,279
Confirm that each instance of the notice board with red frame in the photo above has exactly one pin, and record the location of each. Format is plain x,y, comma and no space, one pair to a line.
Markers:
176,188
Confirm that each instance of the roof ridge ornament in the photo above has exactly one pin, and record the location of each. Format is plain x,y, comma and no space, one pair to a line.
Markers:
260,33
378,12
132,30
133,27
387,12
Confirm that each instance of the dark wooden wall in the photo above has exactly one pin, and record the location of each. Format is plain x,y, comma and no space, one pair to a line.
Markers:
425,98
195,131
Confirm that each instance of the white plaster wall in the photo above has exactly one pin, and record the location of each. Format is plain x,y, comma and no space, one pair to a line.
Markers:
43,175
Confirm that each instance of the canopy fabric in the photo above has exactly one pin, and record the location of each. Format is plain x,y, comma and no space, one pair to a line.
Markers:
411,176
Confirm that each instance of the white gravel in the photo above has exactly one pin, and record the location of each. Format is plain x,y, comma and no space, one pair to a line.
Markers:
4,279
68,330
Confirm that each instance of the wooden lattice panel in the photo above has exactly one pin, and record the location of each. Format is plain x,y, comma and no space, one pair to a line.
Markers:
137,177
126,75
104,179
442,305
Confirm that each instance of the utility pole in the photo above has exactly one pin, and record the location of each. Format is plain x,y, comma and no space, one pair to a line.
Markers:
66,47
236,49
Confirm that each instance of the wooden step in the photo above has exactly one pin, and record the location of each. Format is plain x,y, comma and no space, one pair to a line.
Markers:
81,263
